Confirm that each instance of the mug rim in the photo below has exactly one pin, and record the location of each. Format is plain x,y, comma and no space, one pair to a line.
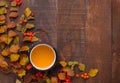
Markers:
51,65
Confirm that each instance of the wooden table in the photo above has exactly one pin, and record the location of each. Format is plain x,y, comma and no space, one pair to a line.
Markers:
91,27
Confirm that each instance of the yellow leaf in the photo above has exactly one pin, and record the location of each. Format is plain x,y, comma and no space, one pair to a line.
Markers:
63,63
93,72
28,11
81,67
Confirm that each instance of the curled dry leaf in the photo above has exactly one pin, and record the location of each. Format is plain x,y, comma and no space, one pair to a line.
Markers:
61,76
14,57
70,72
13,4
11,25
63,63
9,40
24,48
2,17
54,79
3,10
29,26
16,40
15,65
2,3
2,45
28,39
3,63
12,33
2,22
81,67
28,12
93,72
3,38
24,59
13,9
28,78
21,72
3,29
14,48
6,52
18,81
13,15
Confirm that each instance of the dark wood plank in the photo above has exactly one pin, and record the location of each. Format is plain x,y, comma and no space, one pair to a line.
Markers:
98,37
116,41
71,30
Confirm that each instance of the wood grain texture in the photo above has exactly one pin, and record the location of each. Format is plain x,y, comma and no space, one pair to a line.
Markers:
98,37
116,41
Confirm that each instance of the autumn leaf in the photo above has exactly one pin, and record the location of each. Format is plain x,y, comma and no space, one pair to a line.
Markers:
81,67
93,72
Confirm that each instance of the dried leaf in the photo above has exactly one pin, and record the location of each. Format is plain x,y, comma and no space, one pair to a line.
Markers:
14,57
12,33
54,79
2,17
70,72
2,22
6,52
24,59
3,38
61,76
18,81
29,26
93,72
24,48
30,18
21,73
14,48
11,25
16,40
9,40
3,10
63,63
19,27
2,4
2,45
22,17
14,9
81,67
3,29
27,78
3,63
48,80
26,38
35,39
28,12
13,15
16,65
13,3
23,29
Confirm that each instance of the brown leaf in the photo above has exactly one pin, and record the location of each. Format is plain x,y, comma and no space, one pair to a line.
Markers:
6,52
16,65
14,57
24,48
24,59
12,33
13,9
3,29
13,15
61,76
2,17
3,38
28,78
11,25
14,48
